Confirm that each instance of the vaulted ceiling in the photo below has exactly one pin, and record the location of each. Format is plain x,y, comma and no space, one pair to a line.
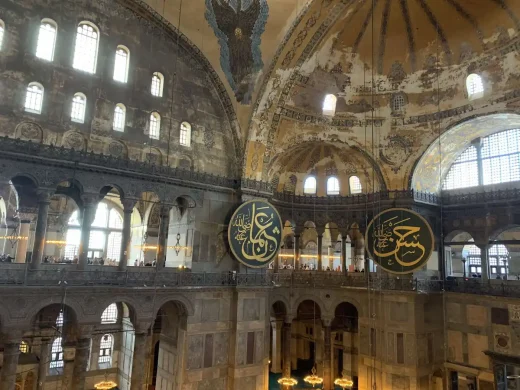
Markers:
278,59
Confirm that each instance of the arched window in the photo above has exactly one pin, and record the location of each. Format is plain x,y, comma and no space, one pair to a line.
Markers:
46,40
398,102
106,235
155,125
498,256
105,350
332,186
2,30
500,162
34,98
309,186
464,171
329,105
355,185
79,103
157,84
185,135
474,86
24,347
472,255
59,320
86,50
56,354
109,316
121,64
119,117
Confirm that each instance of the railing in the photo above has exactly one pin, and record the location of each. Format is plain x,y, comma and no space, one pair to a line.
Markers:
361,199
17,146
481,197
138,278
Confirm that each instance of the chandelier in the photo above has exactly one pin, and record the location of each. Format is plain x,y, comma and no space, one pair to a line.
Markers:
105,385
344,382
313,379
287,381
56,242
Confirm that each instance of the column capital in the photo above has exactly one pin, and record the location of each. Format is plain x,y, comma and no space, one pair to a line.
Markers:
90,200
27,215
326,322
129,204
12,336
44,195
164,210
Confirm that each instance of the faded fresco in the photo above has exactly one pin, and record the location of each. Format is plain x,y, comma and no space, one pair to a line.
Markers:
239,25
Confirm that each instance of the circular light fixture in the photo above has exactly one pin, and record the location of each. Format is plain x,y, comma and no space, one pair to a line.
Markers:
313,379
105,385
513,377
287,381
344,382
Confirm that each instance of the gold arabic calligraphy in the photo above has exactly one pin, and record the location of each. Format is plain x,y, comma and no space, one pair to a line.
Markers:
400,241
253,233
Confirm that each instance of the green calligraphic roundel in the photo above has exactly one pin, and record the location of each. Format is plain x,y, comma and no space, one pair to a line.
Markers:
399,240
255,233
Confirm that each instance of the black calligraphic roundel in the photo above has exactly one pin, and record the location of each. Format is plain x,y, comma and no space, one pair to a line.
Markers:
399,240
255,233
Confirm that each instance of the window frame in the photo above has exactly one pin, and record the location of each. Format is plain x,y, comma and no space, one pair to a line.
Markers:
156,134
306,191
329,111
187,137
115,77
2,34
335,180
33,110
106,350
56,360
355,188
52,23
472,80
110,315
77,119
160,88
96,52
123,108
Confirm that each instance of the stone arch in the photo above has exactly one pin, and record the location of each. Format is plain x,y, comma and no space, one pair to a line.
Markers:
74,140
126,307
181,300
185,162
29,131
26,187
307,297
46,312
106,189
279,307
337,305
502,229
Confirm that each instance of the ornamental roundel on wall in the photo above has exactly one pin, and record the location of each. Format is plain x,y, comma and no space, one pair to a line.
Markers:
255,233
399,240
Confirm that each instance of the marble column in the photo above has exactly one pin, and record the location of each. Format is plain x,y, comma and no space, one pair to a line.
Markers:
344,254
41,228
43,364
163,236
128,208
320,252
297,251
327,356
286,339
11,353
22,244
139,362
94,355
88,215
484,262
80,364
69,354
276,347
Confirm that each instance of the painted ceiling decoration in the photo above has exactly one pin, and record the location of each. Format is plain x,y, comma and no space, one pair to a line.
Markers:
239,25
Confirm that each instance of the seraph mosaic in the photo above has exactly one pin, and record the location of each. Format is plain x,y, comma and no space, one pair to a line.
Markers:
239,25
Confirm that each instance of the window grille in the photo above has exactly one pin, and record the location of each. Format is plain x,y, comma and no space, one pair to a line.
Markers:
79,102
309,186
121,64
46,40
85,53
474,86
119,118
34,98
332,186
157,84
329,105
185,134
110,314
105,349
56,354
355,185
155,125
